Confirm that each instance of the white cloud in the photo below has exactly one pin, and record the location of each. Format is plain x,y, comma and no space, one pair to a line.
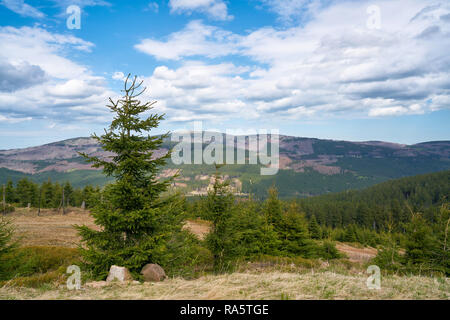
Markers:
195,39
118,76
21,8
395,110
334,65
291,10
13,120
215,9
61,90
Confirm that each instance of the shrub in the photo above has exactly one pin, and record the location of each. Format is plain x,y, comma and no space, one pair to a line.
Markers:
38,280
36,261
329,251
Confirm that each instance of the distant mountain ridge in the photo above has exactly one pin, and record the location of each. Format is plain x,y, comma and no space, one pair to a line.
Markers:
308,166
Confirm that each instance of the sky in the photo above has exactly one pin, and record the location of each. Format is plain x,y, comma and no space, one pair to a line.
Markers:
342,70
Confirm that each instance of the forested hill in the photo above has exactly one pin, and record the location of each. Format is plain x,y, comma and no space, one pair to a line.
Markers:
390,202
308,166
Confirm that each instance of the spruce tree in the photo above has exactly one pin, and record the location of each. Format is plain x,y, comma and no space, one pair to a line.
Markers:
273,208
442,231
293,233
314,229
421,245
137,222
220,205
10,192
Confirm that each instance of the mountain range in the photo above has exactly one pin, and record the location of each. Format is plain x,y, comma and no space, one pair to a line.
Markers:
308,166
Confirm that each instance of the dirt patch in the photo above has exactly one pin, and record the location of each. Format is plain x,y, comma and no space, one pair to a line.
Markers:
198,227
357,254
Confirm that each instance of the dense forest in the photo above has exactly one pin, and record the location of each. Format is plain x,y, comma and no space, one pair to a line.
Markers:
379,206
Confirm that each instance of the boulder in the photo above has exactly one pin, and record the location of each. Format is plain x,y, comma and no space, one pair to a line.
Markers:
119,273
153,272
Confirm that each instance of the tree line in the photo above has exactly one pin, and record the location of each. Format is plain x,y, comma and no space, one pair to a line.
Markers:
384,207
49,195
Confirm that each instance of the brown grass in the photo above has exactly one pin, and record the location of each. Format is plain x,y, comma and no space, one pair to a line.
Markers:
50,228
198,227
357,254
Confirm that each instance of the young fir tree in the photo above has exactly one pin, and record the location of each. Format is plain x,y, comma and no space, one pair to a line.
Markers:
137,222
220,205
10,192
442,231
273,208
314,229
293,233
421,245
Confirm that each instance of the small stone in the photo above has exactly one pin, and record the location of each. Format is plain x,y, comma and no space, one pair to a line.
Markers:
120,273
153,272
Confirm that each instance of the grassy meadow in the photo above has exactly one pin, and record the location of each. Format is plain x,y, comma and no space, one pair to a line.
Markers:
50,241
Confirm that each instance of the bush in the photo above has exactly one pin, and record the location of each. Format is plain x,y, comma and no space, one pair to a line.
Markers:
35,265
329,251
188,258
388,259
38,280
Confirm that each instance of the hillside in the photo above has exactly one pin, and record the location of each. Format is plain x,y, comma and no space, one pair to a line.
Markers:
308,166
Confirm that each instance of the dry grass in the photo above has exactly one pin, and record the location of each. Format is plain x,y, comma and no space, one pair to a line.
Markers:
276,282
273,285
357,254
50,228
198,227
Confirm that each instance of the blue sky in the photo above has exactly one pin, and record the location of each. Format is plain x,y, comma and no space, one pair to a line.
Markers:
344,70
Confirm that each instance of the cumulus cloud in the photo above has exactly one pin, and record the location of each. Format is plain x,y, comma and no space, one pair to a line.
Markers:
23,75
38,81
215,9
333,65
195,39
